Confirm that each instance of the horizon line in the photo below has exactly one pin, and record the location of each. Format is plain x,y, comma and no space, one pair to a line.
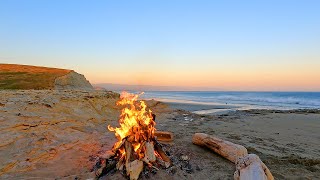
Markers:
191,90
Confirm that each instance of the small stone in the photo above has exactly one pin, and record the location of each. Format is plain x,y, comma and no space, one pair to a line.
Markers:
184,158
167,164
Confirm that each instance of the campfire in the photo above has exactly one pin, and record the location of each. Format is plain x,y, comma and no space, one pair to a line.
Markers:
137,147
138,151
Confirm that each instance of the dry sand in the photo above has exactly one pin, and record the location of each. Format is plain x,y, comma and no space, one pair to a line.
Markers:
58,134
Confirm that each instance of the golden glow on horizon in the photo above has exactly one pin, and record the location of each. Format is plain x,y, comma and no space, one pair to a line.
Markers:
265,77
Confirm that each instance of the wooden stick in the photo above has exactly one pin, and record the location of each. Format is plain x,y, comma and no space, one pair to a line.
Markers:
226,149
118,145
163,136
120,163
163,155
128,148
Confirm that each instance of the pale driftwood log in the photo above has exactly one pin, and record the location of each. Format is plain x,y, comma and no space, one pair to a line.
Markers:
163,136
134,168
226,149
250,167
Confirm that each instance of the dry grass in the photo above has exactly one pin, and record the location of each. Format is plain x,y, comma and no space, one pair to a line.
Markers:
14,76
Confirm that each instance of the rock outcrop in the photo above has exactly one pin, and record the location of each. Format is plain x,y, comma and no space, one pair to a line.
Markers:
47,134
72,80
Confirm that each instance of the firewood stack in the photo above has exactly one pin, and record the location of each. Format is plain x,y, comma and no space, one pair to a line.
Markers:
150,153
137,145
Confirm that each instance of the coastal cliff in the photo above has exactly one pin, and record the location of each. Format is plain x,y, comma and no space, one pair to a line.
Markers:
14,76
72,80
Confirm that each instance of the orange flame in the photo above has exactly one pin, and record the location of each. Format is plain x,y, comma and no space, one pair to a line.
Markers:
136,122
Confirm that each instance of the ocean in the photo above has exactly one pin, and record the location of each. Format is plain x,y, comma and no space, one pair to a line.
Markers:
241,100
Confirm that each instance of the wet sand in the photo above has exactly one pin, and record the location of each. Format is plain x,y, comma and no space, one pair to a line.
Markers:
197,107
211,109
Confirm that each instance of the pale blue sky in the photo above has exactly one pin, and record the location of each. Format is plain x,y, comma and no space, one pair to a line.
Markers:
92,36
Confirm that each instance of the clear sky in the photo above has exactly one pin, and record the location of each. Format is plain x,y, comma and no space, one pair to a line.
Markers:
224,45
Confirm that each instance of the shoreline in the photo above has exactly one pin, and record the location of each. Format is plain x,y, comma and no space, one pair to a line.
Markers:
219,109
239,100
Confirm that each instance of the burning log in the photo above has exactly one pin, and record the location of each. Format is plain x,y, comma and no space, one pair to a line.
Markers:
250,167
226,149
128,150
163,136
167,162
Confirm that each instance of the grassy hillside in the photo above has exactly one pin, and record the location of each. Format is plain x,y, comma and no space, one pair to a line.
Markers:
14,76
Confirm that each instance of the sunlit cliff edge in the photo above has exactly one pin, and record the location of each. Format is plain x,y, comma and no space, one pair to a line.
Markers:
14,76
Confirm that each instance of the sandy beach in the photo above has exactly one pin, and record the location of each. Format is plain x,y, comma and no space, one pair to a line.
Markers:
58,135
159,90
286,141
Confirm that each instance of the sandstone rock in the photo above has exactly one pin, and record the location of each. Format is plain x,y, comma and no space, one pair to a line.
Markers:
52,142
72,80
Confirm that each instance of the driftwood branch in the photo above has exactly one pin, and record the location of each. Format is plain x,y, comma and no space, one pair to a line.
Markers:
226,149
